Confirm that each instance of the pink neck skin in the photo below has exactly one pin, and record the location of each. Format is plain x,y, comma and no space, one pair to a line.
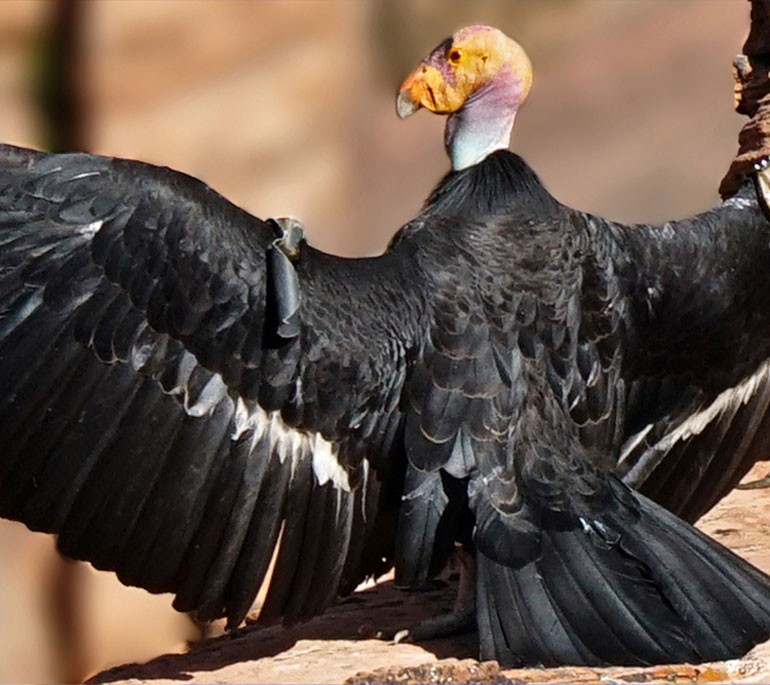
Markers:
484,123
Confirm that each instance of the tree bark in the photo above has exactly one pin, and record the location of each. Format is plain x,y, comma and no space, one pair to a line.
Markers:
751,70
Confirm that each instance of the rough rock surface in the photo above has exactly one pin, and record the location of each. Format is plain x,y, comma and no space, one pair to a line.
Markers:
751,70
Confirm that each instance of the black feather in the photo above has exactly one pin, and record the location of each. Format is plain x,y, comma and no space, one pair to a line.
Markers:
477,384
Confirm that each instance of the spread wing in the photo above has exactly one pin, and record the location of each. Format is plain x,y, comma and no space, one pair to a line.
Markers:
697,338
150,417
573,567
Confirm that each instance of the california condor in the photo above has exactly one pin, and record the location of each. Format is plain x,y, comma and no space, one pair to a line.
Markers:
181,400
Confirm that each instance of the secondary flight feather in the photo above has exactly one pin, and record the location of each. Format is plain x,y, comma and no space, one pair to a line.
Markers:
487,382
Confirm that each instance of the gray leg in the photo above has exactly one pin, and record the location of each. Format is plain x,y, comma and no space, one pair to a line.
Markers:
461,619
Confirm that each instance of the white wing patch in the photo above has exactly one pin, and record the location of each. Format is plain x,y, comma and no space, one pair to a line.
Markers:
633,442
90,229
288,442
738,202
730,399
284,441
740,394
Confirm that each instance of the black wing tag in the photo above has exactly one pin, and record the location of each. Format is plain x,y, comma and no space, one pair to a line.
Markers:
282,317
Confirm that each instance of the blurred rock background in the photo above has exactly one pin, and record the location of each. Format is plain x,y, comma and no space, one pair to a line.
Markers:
286,107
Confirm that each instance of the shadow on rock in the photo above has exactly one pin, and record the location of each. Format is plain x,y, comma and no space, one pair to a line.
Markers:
383,606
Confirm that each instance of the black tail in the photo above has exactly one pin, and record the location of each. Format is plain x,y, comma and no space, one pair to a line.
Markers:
661,592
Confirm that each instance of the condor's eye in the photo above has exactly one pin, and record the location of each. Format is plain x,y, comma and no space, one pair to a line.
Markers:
455,55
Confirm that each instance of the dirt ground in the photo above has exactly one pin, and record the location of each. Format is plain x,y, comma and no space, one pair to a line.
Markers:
330,648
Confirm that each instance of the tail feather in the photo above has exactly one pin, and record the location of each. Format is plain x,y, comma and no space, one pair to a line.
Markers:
508,607
661,592
726,599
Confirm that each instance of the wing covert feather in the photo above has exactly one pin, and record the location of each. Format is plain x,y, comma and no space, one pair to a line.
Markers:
148,421
697,344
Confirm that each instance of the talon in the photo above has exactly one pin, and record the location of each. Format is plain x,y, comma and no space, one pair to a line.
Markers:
461,619
755,484
401,636
369,631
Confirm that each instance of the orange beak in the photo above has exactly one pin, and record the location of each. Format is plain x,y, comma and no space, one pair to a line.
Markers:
427,87
405,103
409,95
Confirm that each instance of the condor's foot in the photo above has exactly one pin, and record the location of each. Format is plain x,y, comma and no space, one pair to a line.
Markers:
755,484
462,618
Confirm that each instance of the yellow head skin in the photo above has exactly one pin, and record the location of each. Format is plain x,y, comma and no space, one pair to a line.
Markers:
456,69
